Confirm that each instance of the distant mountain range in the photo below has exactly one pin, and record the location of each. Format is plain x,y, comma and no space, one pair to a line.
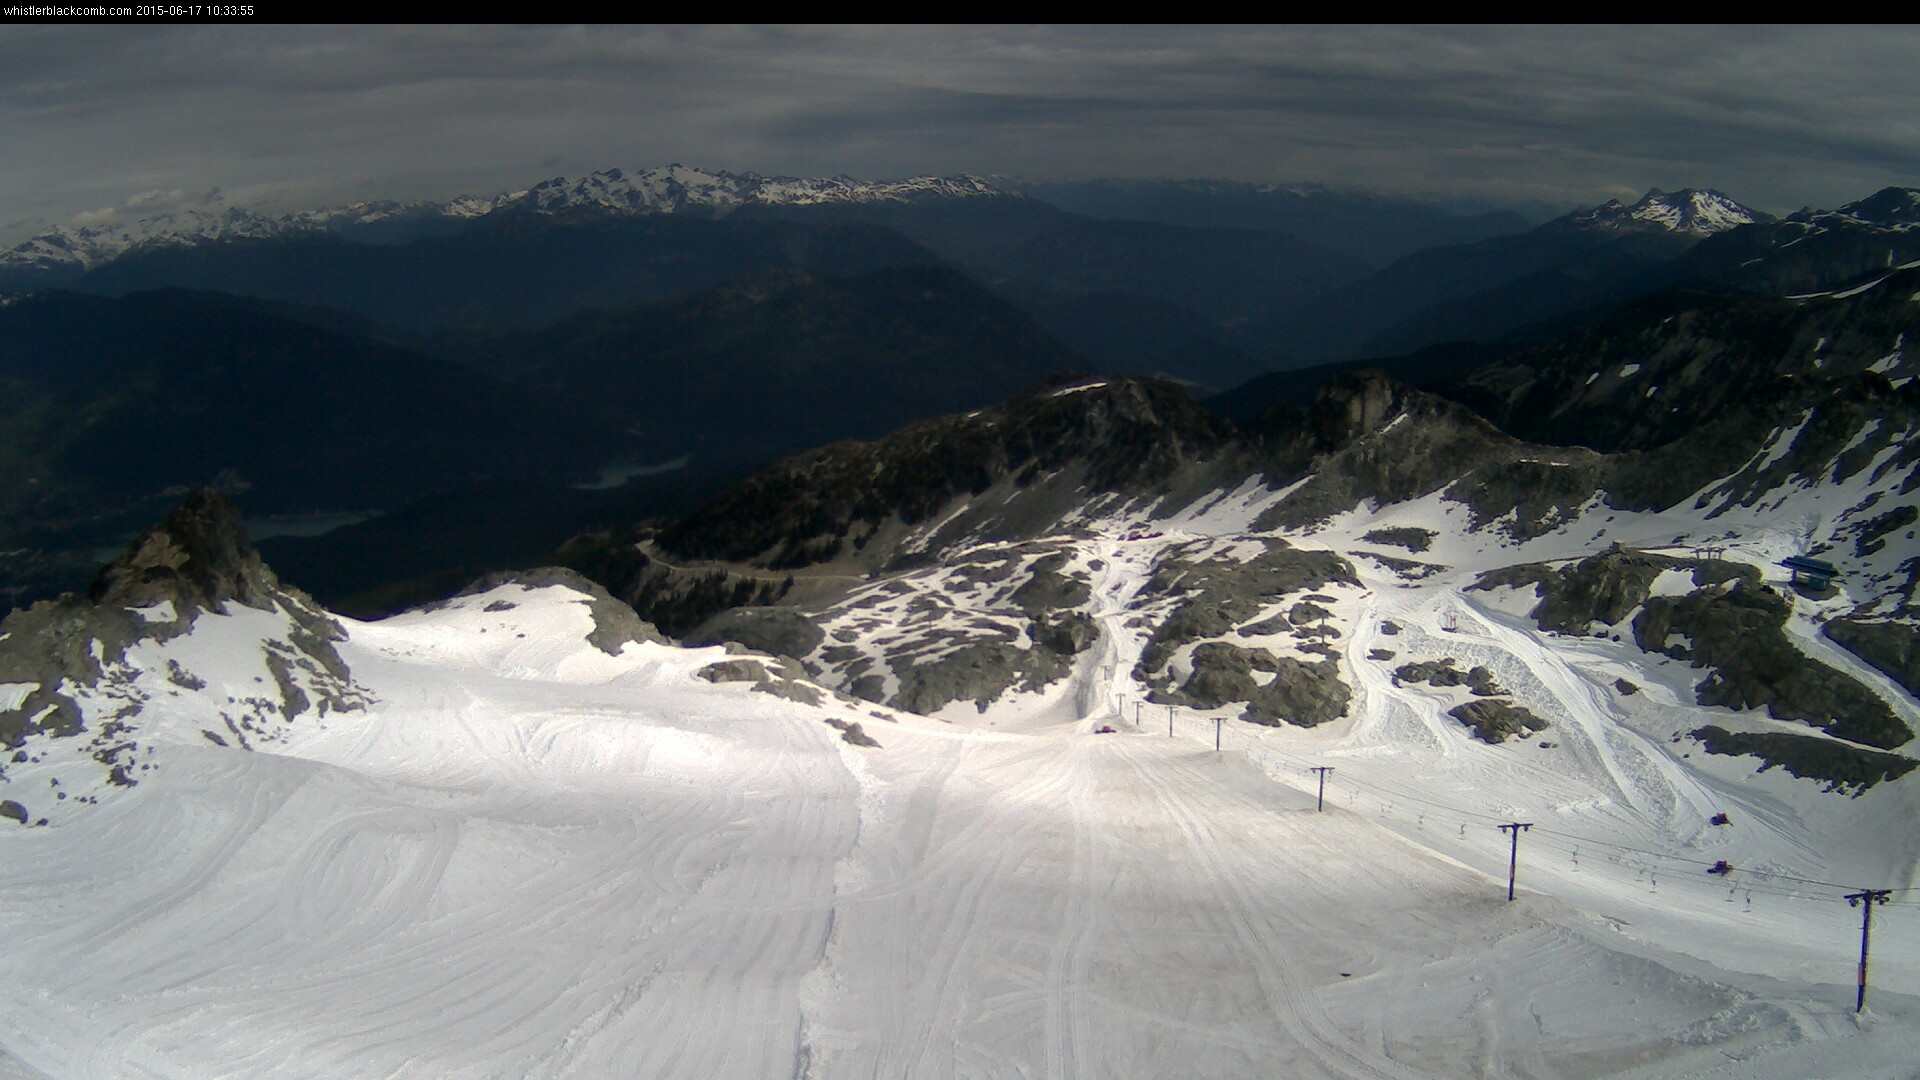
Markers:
713,322
673,189
1486,289
1206,281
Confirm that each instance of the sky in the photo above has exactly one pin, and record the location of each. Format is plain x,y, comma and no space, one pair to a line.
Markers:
104,121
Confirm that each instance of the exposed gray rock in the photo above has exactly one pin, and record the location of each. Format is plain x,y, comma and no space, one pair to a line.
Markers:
793,690
778,676
11,809
1214,596
199,557
979,671
1377,440
1839,766
1413,539
1048,590
852,732
1408,569
1602,588
1495,719
293,700
776,630
741,670
197,560
1304,613
1738,632
1478,680
1219,593
183,678
1300,693
1733,624
615,623
842,655
1872,534
1068,635
991,619
1278,624
1626,689
1891,646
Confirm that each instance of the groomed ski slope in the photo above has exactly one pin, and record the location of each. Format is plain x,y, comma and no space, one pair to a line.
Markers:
531,859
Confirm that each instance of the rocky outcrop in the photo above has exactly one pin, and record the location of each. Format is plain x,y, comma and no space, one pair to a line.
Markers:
1047,590
852,732
1226,596
1443,672
1301,693
1216,595
615,624
1068,634
199,557
1729,623
1369,438
779,676
1492,717
676,599
1604,588
982,622
1891,646
979,671
1738,631
776,630
1652,372
70,654
1839,766
1414,540
1119,435
1494,720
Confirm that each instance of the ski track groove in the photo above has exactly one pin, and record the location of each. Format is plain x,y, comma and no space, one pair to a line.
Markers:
1069,1023
1290,999
937,1007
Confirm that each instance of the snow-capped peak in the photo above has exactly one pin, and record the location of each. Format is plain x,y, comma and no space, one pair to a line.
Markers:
1689,211
671,189
677,189
1894,207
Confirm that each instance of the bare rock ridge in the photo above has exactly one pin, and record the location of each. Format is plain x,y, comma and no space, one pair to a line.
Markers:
1724,620
1203,601
615,623
910,570
74,702
198,557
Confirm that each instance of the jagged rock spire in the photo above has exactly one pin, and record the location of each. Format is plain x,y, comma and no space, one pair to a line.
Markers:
198,557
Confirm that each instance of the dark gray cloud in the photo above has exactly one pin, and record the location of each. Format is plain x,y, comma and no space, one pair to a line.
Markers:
1776,116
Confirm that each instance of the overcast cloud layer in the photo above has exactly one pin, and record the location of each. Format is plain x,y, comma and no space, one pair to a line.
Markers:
101,121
